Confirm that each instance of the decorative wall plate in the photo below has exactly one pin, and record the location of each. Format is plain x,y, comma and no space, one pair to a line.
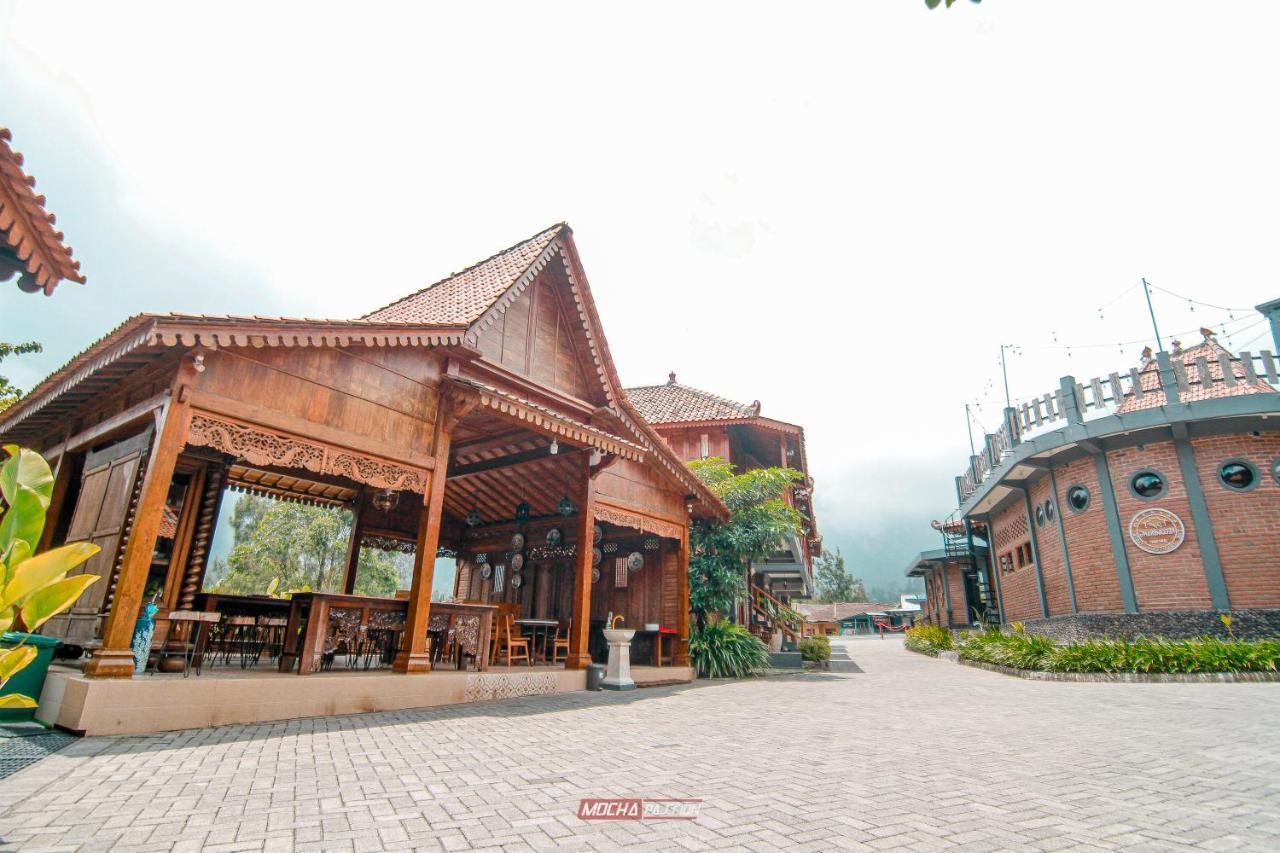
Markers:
554,536
517,562
598,535
595,575
516,580
517,542
486,571
596,556
635,561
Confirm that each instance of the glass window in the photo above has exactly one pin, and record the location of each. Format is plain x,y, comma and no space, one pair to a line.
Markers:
1048,510
1039,516
1078,498
1147,485
1275,470
1238,474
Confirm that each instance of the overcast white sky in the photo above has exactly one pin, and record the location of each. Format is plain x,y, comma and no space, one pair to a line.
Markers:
839,209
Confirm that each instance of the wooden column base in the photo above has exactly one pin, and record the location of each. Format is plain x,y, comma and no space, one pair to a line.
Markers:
681,659
110,663
577,661
408,662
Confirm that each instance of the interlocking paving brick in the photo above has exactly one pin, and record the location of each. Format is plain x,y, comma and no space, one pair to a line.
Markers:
906,753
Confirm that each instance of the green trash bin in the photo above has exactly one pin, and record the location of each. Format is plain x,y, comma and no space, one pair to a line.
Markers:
29,680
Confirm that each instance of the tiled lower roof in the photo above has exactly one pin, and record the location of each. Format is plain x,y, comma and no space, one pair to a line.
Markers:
675,403
841,610
1210,350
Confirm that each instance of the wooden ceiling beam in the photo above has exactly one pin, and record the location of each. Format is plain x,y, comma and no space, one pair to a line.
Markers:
513,460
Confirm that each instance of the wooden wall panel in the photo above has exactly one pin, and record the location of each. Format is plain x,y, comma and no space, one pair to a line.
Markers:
538,336
383,394
631,485
515,337
671,568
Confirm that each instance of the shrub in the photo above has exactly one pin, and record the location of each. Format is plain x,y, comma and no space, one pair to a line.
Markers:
928,638
1157,655
1020,651
33,587
815,649
1143,655
723,649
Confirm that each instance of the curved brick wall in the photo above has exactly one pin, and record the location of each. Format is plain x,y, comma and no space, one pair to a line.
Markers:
1246,526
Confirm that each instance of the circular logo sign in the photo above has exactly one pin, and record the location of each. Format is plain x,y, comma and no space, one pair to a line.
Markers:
1157,531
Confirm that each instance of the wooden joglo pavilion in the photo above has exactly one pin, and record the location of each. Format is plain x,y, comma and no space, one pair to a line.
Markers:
481,417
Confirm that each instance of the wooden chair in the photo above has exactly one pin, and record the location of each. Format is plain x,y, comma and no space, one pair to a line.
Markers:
515,646
560,646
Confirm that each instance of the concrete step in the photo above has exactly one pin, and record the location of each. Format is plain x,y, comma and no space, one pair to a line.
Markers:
785,660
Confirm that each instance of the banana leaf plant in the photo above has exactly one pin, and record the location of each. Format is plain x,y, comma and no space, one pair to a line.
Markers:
33,587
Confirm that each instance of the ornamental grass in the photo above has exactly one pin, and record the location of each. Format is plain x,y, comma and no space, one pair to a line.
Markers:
1141,655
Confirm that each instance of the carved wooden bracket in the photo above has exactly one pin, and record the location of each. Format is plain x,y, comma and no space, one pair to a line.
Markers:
258,446
643,523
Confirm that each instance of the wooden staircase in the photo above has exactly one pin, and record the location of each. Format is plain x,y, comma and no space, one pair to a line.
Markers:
771,609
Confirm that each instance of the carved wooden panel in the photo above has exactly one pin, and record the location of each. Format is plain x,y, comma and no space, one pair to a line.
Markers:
261,447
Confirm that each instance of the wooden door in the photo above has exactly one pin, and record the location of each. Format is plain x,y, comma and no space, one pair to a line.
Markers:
101,516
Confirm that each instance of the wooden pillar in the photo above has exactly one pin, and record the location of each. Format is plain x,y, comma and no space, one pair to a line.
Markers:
579,657
682,566
353,546
414,655
115,658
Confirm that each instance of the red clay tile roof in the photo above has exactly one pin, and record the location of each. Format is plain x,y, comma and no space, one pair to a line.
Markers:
27,227
465,296
840,610
675,403
1209,349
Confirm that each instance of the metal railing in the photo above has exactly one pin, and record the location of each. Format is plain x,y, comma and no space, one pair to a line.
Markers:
1164,379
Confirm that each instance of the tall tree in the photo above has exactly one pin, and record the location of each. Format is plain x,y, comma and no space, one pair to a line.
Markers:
304,546
8,393
833,581
760,521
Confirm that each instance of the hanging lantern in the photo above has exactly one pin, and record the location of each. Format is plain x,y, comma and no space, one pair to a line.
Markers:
386,500
522,512
565,506
473,518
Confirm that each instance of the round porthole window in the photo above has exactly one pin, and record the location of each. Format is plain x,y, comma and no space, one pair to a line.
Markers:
1039,516
1048,510
1238,475
1147,485
1078,498
1275,470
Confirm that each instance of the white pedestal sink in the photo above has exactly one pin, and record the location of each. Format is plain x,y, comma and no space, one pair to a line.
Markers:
617,674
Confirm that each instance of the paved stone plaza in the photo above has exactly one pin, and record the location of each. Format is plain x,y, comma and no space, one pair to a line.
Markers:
910,753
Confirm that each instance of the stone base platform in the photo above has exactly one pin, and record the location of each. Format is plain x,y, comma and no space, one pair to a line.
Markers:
158,703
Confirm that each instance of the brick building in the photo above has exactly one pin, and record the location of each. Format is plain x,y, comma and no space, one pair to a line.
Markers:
1145,502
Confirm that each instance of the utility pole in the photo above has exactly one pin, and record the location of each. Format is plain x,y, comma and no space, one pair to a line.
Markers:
968,422
1008,404
1146,288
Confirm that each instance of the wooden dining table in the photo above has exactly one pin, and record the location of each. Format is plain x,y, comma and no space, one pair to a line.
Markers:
536,627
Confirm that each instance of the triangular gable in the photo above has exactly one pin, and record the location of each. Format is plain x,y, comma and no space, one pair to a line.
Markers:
561,274
536,333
